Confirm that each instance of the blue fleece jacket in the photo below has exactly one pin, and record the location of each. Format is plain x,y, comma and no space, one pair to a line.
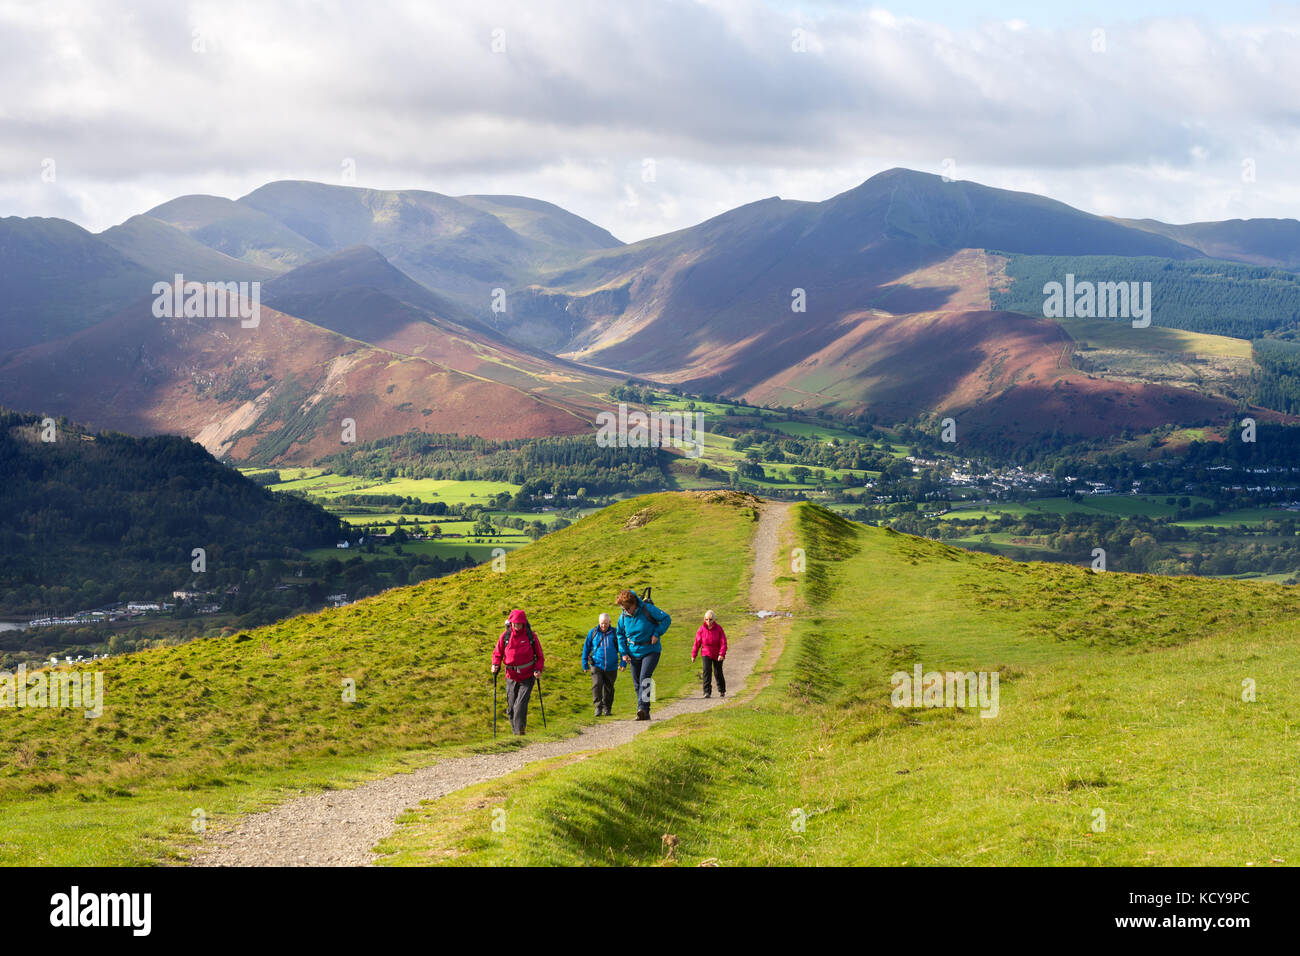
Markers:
601,649
636,630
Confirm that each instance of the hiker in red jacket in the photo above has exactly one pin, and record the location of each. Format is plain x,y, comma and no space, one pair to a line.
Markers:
521,652
711,640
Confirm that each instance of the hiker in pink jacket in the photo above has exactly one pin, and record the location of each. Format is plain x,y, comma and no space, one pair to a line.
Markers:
711,641
521,652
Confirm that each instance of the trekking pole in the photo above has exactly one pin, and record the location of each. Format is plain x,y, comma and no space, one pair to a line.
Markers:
494,703
540,702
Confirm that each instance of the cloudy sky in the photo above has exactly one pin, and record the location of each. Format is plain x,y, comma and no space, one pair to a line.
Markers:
650,115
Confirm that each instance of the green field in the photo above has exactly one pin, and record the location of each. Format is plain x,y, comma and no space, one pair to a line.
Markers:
1246,516
813,430
1002,539
1153,506
479,549
1109,334
325,485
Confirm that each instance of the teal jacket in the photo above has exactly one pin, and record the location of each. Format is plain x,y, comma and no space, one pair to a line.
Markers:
635,631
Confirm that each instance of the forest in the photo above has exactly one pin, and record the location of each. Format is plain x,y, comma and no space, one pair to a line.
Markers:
1219,298
90,520
562,466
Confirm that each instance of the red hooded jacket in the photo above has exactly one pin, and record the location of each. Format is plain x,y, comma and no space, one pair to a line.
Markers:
523,658
713,640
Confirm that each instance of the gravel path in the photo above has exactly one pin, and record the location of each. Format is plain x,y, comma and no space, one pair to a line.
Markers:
339,827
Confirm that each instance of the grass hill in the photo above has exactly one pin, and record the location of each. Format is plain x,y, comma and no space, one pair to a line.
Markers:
1265,242
876,299
1120,693
461,249
89,520
225,724
850,253
56,278
1216,298
280,392
164,250
92,520
238,230
895,298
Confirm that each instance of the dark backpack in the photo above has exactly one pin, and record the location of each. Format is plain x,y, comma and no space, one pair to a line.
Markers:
644,602
643,605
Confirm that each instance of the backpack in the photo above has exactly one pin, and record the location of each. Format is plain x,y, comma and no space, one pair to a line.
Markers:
642,605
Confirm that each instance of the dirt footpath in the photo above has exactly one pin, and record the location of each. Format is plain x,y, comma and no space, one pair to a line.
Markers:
339,827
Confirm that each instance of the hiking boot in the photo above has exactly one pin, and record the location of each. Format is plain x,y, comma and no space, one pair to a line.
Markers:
643,715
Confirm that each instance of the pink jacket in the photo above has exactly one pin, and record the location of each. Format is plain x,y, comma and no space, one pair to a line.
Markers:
523,657
713,640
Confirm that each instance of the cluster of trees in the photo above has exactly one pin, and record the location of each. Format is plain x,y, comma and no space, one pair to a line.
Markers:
778,448
403,504
1132,543
90,517
1276,383
270,592
92,520
1275,446
560,466
1220,298
631,392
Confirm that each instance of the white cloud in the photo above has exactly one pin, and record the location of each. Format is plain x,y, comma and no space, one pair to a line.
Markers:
1157,124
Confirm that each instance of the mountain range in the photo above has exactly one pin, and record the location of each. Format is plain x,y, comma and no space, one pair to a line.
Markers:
510,317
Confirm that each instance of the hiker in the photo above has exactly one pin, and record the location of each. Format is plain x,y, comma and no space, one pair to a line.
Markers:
640,627
521,652
711,641
600,653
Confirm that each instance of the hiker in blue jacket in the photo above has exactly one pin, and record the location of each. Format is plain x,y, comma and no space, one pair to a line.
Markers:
640,629
600,653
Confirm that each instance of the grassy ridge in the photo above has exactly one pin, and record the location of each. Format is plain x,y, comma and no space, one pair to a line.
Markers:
223,724
1118,693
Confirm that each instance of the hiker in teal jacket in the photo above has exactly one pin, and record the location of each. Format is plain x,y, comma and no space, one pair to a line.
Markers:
640,630
600,653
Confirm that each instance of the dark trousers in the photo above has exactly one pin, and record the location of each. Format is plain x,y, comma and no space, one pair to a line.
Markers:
713,668
642,669
602,689
517,694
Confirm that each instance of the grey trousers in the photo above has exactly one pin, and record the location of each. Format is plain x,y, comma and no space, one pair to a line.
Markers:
602,688
517,694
